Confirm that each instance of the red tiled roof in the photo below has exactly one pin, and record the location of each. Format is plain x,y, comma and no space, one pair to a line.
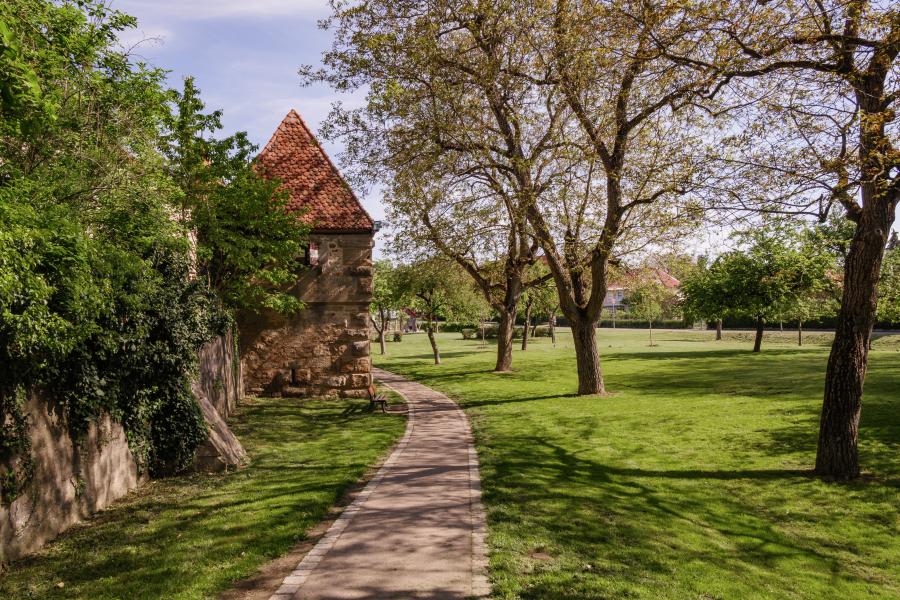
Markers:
294,156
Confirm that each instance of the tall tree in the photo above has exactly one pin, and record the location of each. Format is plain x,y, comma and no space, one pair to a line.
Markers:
637,118
769,276
463,144
649,299
831,76
248,244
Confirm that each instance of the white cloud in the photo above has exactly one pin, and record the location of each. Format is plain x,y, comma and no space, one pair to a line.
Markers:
223,9
133,40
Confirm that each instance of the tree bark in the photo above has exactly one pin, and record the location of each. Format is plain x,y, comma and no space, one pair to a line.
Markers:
799,332
718,329
760,323
526,329
381,341
838,455
434,346
590,374
552,325
505,340
651,332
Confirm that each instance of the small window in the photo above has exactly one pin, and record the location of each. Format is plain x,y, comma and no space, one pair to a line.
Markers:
311,254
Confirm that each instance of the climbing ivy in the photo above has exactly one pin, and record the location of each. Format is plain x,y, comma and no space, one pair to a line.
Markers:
105,300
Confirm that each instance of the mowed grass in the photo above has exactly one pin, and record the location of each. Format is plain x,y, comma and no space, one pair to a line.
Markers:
191,537
692,480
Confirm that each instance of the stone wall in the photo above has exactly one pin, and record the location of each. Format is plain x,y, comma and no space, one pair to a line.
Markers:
220,374
218,389
324,350
69,483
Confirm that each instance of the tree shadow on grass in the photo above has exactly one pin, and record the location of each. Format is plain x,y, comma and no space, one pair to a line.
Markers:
193,535
644,526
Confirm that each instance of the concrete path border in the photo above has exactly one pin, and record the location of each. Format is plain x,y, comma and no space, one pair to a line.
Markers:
360,557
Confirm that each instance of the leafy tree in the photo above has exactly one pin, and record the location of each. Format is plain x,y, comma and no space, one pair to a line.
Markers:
433,130
700,297
248,244
650,300
769,277
825,135
97,306
437,289
386,298
889,287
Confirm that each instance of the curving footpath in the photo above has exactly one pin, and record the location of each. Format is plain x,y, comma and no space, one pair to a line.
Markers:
417,529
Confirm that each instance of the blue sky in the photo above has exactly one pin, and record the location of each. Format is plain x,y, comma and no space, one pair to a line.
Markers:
244,55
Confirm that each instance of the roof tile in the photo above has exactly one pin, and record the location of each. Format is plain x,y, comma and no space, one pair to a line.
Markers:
295,157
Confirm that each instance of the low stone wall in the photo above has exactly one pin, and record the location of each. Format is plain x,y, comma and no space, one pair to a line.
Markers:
220,378
218,389
69,483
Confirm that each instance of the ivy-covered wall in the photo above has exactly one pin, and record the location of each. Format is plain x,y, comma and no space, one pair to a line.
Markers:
70,481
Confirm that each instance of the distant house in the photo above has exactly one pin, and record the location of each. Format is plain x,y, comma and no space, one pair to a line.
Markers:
617,291
324,350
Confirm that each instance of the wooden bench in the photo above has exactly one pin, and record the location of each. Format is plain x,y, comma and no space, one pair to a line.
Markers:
375,399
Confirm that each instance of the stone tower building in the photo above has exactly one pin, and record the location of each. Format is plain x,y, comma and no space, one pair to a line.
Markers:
324,350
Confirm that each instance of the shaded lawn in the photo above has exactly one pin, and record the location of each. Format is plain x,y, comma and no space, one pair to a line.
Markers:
690,481
190,537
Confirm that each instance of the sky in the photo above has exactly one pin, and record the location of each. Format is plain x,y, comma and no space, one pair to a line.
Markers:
244,56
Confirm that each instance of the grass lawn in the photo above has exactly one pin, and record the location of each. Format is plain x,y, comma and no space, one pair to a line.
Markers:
190,537
690,481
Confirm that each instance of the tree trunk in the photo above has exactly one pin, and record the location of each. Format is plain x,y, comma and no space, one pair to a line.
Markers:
799,332
526,329
590,375
434,346
552,325
482,334
757,344
381,341
651,332
718,329
837,454
505,340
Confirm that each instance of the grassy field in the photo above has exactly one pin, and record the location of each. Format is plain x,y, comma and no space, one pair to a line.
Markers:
191,537
690,481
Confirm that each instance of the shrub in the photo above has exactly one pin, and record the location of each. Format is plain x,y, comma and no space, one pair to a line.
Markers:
491,330
542,331
398,336
469,334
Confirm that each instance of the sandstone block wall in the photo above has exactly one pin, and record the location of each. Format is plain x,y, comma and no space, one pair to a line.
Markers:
69,484
324,350
218,389
220,374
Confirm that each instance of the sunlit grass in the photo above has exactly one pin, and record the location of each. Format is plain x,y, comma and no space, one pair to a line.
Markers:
690,481
191,537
